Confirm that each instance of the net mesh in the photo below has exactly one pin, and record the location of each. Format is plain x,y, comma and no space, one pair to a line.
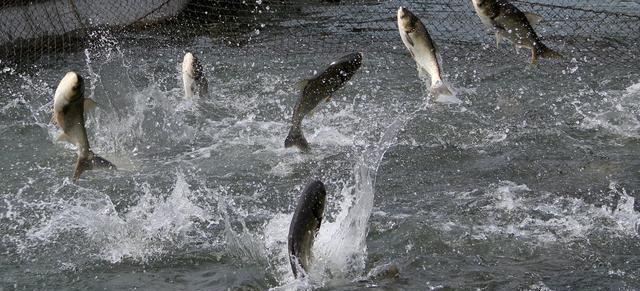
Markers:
585,29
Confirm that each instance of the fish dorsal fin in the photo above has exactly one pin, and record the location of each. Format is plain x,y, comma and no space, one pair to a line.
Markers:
533,18
89,104
302,83
63,137
54,120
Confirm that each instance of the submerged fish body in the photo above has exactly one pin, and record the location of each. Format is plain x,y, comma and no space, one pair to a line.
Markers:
416,38
193,79
317,89
304,227
69,106
508,22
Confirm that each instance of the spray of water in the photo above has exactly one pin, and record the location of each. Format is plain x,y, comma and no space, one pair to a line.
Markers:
153,226
340,249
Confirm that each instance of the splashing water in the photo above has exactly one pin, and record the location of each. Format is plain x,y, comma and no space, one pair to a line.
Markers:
515,210
340,249
619,114
145,230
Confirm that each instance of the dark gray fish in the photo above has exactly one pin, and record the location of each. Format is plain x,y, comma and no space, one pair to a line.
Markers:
304,227
69,105
507,21
317,89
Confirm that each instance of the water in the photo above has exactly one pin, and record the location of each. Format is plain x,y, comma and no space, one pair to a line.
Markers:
530,184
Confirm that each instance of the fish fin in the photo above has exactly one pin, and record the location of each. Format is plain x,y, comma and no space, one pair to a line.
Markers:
197,70
544,52
63,137
408,38
534,56
302,83
296,266
533,18
442,94
327,99
53,120
498,38
439,88
89,104
296,138
422,73
203,87
93,162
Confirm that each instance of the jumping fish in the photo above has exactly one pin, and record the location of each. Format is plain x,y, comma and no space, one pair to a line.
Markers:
416,38
304,227
507,21
69,106
193,78
319,88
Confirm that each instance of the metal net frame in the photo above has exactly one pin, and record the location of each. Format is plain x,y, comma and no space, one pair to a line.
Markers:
608,30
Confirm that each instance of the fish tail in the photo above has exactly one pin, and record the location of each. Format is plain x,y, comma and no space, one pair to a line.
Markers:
442,93
544,52
439,88
89,163
296,138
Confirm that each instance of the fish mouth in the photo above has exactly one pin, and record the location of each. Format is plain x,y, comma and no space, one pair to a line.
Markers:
402,12
71,87
352,58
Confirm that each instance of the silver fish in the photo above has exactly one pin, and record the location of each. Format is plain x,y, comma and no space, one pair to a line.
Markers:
69,106
419,43
507,21
304,227
193,78
319,88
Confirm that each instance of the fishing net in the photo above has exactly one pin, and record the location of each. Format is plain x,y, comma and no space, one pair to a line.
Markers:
607,30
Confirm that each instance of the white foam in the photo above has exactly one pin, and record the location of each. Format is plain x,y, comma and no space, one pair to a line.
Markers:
448,99
550,217
616,114
139,234
151,118
340,250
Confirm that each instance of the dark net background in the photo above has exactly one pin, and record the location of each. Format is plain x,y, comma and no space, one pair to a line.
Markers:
607,30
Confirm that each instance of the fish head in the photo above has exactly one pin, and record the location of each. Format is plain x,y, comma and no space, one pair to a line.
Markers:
188,63
70,89
480,3
407,21
316,192
354,60
348,65
485,6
